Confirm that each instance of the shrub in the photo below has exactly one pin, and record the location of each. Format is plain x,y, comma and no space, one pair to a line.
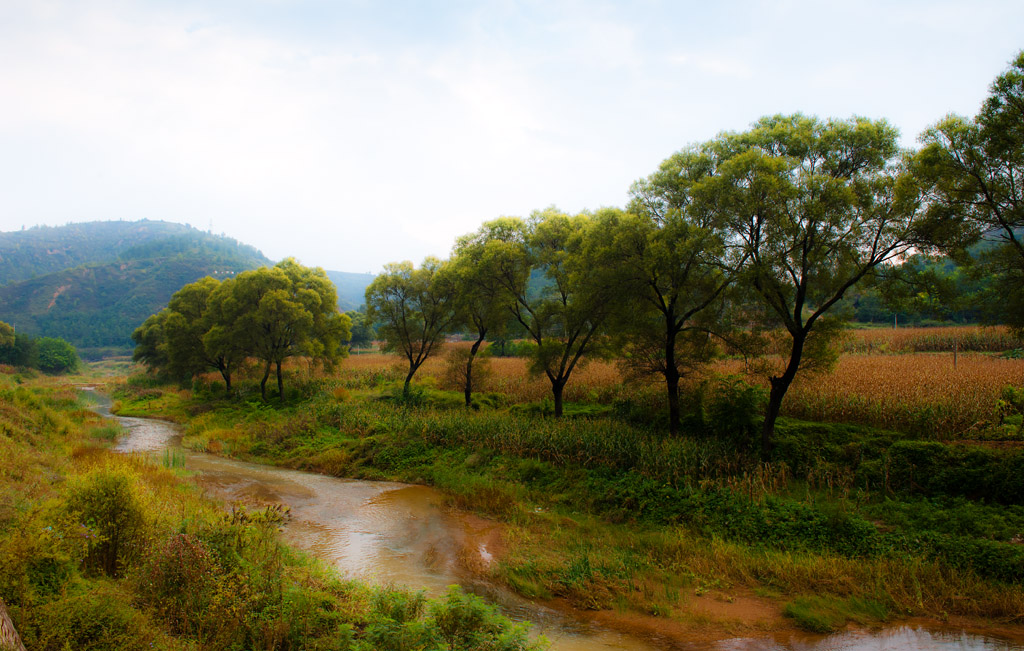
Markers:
109,506
727,408
178,581
56,355
99,618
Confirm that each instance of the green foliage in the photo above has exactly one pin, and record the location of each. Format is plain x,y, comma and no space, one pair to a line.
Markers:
815,206
402,620
970,170
98,617
1010,408
547,277
412,308
268,313
179,579
110,507
727,408
6,336
56,355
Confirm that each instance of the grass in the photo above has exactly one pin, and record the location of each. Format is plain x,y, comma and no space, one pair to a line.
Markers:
105,551
870,509
608,514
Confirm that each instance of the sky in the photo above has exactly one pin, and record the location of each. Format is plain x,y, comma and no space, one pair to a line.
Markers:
352,133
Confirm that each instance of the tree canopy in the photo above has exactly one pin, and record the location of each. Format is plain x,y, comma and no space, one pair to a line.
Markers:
269,313
812,208
972,173
412,309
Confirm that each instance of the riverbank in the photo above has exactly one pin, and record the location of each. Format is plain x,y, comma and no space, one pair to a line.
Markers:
110,551
673,535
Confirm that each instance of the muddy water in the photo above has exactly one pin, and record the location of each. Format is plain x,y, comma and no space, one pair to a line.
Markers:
389,532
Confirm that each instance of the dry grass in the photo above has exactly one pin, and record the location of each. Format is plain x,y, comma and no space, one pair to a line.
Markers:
977,339
922,392
919,393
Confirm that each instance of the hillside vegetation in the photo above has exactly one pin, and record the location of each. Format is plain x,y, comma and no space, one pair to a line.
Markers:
106,551
93,283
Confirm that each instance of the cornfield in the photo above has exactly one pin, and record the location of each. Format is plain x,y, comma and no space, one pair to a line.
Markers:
977,339
922,394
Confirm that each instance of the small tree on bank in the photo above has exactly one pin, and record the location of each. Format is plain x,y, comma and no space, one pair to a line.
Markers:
553,291
481,302
412,309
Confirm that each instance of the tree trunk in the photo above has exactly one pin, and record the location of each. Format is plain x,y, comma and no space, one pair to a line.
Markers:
280,383
672,381
9,638
672,384
778,391
263,383
556,389
408,380
226,374
469,370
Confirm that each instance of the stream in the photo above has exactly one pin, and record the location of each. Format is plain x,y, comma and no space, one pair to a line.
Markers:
388,532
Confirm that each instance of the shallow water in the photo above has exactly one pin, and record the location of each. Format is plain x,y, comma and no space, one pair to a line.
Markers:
387,532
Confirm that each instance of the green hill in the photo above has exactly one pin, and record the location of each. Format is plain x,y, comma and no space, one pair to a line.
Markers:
42,250
351,288
97,304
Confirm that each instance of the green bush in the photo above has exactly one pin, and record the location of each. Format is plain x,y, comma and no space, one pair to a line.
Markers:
56,355
178,581
94,618
726,408
402,620
109,506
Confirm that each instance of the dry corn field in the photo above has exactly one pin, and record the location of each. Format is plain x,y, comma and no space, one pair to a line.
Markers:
976,339
922,394
919,393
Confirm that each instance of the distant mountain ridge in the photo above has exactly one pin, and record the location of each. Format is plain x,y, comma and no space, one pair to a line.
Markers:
93,283
41,250
351,288
116,275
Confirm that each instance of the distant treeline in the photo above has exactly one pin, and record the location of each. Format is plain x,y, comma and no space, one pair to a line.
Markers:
48,354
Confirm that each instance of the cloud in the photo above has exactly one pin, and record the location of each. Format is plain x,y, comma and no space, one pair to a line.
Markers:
354,133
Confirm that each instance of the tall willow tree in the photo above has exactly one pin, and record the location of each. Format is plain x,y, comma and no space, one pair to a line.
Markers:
668,263
812,208
973,173
544,266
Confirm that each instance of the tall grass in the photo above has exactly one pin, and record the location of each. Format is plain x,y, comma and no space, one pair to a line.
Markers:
975,339
112,552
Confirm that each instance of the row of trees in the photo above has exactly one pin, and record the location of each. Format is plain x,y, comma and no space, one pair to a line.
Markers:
751,240
269,314
49,354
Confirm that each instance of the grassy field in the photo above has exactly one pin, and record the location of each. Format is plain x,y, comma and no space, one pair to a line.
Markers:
846,523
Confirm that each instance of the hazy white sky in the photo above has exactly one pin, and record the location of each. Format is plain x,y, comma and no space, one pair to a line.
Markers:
350,133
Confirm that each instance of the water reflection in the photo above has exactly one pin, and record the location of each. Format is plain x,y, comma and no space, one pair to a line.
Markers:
901,638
